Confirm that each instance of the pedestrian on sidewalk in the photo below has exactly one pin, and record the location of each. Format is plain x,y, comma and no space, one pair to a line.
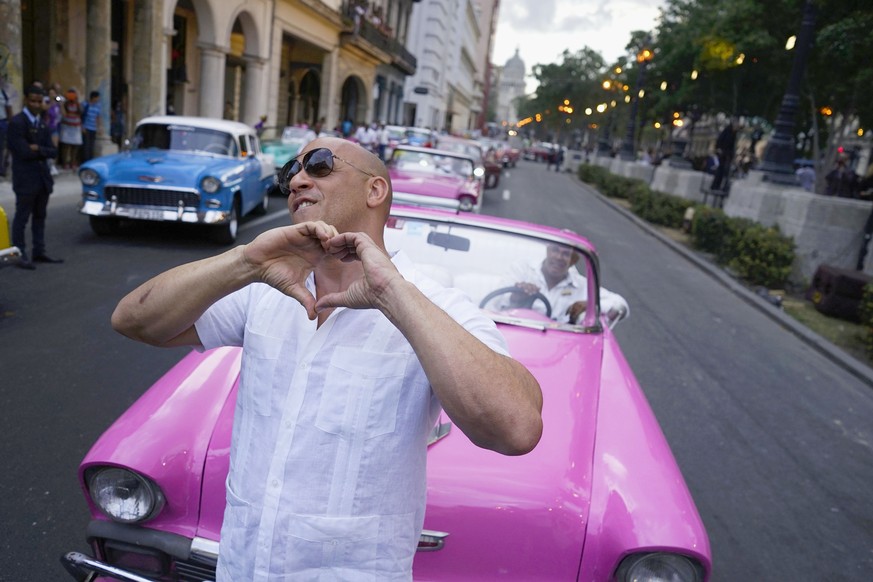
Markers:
92,122
71,130
724,149
30,143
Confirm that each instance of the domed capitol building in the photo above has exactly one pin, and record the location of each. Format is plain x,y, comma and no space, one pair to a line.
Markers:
510,87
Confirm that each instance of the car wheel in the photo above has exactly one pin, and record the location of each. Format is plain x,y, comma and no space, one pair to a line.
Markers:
261,209
103,226
225,234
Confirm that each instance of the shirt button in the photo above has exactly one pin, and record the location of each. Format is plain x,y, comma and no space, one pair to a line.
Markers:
275,482
304,365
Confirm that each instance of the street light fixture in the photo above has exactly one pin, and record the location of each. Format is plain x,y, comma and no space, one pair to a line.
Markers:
628,146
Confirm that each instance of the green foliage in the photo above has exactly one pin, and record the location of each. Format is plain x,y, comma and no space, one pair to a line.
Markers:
659,208
759,255
762,255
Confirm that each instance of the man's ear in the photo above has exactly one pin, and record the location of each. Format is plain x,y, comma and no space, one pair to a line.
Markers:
574,258
378,192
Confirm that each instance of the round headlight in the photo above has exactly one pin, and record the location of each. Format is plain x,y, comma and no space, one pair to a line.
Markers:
479,172
659,567
210,184
123,495
89,177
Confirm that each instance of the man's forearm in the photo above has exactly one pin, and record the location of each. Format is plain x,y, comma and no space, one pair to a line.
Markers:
163,308
492,398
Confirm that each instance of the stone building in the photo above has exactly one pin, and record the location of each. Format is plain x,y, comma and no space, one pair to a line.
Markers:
446,92
294,61
510,86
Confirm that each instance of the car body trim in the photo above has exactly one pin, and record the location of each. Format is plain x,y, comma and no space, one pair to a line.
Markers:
421,200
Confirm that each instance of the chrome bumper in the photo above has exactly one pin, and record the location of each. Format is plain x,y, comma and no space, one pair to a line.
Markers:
155,213
84,568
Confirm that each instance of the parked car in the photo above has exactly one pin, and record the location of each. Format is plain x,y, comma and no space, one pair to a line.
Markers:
420,136
430,177
484,156
599,498
180,169
539,151
286,145
9,254
506,154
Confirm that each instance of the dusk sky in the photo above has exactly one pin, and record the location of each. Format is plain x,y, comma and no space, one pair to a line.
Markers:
542,29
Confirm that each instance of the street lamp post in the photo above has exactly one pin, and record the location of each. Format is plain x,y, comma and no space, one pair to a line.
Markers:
628,147
777,162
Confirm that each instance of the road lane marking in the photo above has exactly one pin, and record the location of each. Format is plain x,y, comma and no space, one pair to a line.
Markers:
506,194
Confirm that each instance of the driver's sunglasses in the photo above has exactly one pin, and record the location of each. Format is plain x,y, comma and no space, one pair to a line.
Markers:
318,163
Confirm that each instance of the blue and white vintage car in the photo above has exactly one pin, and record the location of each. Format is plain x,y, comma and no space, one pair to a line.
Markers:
181,169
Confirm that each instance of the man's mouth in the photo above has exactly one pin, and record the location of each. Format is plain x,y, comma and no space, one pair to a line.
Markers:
304,204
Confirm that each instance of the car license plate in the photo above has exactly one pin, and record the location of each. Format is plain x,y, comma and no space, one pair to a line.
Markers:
146,214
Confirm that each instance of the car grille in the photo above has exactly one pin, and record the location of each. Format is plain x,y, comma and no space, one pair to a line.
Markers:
153,196
191,571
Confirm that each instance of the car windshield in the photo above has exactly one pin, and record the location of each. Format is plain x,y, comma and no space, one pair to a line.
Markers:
485,263
467,149
184,138
431,163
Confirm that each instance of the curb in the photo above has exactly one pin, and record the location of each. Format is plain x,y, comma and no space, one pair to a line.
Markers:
814,340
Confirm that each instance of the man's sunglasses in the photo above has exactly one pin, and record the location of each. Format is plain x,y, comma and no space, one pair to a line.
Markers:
318,163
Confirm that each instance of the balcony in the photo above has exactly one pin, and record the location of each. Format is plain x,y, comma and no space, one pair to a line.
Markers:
365,32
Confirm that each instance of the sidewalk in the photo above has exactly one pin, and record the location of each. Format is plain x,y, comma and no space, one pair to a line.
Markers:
814,340
66,184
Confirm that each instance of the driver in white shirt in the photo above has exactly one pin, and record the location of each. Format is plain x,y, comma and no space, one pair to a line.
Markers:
564,287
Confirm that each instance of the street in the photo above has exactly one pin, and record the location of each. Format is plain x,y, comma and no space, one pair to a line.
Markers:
774,440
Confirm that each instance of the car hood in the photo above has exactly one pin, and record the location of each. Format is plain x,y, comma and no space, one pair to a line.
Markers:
524,517
165,168
428,184
160,438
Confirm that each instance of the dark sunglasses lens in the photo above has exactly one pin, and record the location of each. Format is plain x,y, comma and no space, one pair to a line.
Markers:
318,163
288,171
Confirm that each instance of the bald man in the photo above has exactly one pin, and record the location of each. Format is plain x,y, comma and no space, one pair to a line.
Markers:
344,370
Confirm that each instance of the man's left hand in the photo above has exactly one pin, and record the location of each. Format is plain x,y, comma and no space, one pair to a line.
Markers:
379,273
575,310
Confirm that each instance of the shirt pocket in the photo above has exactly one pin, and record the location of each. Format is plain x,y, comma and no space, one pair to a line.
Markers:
260,355
362,392
337,548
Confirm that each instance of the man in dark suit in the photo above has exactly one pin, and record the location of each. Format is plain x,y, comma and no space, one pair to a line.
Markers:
30,144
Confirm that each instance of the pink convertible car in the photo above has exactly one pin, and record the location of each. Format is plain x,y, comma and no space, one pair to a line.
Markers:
600,498
435,178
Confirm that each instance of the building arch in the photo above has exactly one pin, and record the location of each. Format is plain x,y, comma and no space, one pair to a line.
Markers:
354,100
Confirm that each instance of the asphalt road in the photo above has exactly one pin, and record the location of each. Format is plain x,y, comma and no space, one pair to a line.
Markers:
774,439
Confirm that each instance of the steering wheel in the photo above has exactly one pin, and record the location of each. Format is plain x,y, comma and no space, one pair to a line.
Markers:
528,303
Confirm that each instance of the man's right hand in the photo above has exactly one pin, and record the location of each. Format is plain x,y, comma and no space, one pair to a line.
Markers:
284,257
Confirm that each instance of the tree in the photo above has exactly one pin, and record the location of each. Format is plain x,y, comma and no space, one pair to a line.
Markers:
576,79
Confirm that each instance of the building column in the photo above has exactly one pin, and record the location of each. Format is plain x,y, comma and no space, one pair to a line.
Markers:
11,73
146,96
255,94
213,61
98,68
329,102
